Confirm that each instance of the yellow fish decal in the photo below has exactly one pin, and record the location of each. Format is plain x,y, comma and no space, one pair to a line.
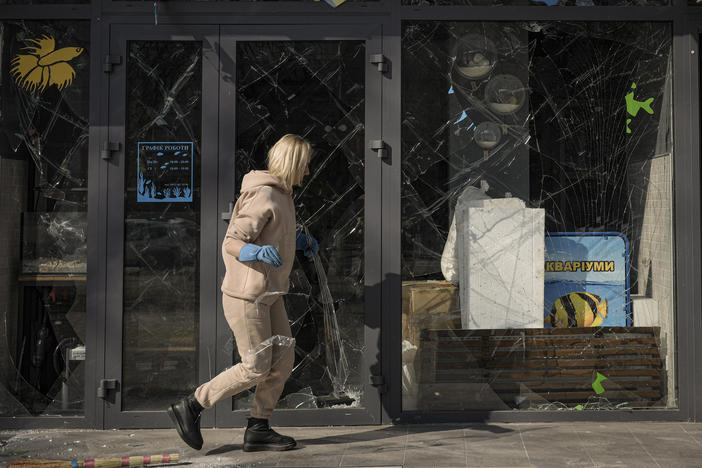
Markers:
44,66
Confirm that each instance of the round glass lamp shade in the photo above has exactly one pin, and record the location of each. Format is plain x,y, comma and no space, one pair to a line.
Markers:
487,135
476,56
505,94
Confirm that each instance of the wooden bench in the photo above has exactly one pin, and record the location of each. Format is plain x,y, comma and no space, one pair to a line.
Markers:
510,368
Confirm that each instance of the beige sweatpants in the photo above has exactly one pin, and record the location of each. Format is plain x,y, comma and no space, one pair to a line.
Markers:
268,368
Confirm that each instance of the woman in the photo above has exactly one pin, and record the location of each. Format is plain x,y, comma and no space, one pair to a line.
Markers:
258,250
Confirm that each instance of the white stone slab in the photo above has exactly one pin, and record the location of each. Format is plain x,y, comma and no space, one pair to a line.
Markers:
645,311
449,258
501,247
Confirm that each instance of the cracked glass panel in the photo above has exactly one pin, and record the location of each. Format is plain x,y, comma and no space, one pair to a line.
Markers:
162,236
44,2
537,255
338,2
43,205
314,89
539,2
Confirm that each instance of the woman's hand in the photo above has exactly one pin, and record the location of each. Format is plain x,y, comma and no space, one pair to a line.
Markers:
267,254
307,243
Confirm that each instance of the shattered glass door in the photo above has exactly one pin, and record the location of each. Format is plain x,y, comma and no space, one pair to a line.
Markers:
537,254
162,178
172,333
44,207
316,89
161,223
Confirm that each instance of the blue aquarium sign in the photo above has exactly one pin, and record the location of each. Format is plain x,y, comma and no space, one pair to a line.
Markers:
165,171
586,280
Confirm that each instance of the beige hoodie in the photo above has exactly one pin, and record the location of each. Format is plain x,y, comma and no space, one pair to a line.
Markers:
264,214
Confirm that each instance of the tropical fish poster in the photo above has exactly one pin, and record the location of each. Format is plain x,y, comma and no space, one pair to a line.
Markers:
586,280
165,172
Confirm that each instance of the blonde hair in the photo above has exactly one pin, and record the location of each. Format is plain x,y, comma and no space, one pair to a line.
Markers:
288,158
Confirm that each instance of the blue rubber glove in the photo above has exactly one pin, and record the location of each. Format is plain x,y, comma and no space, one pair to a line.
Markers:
308,244
267,253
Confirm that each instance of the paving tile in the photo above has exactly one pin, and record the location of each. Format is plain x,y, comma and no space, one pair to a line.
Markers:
373,465
374,459
335,448
623,463
310,461
694,431
434,428
560,462
424,460
379,434
261,460
58,444
611,445
554,445
322,442
690,426
384,447
233,454
666,442
493,428
419,436
441,451
494,446
316,451
679,462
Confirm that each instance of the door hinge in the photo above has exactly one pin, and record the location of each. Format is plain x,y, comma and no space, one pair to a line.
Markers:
379,381
105,386
379,146
227,215
108,148
110,62
381,61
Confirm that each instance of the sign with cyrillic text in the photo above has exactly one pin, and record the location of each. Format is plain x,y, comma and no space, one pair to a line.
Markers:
586,280
165,172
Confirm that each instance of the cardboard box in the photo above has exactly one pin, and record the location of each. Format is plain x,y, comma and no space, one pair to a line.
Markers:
428,305
425,305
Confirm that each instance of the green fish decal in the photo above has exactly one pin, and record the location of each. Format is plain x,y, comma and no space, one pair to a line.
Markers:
633,106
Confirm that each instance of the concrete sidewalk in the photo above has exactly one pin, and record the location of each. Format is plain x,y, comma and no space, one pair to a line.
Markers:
662,445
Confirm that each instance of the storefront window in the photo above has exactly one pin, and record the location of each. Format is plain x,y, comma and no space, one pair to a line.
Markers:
35,2
43,206
537,252
539,2
334,2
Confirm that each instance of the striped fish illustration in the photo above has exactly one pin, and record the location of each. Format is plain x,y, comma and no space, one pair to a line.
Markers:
578,309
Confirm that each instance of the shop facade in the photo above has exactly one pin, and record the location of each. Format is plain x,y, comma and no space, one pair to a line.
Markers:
506,197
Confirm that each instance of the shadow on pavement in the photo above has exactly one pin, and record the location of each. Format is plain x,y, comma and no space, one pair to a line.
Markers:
394,431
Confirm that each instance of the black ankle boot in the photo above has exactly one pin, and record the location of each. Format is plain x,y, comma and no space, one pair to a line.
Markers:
186,416
259,436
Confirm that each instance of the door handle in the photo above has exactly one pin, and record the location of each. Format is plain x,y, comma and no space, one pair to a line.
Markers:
227,215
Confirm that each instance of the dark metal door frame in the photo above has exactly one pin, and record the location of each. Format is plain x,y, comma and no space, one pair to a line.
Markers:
369,413
218,113
120,34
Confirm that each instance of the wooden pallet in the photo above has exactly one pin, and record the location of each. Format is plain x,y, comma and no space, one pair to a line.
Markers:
544,365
